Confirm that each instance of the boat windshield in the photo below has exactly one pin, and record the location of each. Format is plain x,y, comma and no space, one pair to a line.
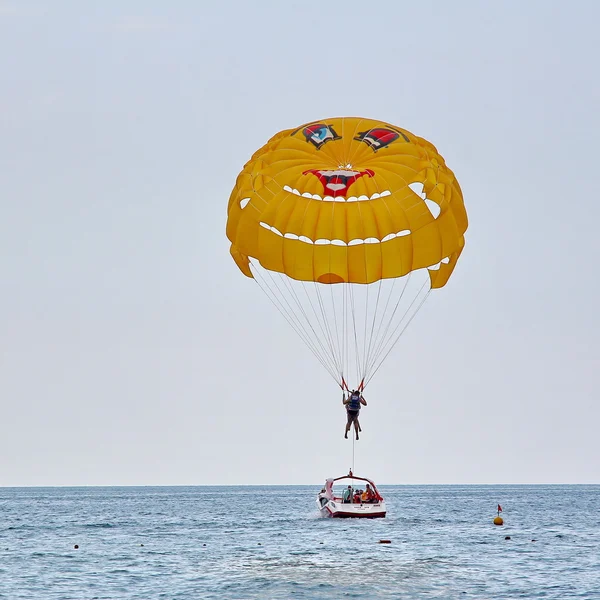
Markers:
355,491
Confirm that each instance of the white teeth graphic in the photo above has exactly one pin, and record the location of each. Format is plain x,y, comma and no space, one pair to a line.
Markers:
244,202
418,188
338,242
341,172
333,187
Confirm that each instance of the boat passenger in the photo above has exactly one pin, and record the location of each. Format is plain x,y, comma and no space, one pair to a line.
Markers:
352,404
357,496
347,496
369,496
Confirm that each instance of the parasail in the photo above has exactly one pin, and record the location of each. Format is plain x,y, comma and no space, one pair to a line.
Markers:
347,224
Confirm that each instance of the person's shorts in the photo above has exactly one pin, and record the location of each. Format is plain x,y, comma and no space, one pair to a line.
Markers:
352,414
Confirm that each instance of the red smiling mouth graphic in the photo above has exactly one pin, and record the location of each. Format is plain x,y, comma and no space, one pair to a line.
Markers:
336,182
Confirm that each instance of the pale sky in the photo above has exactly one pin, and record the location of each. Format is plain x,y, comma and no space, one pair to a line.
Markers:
134,352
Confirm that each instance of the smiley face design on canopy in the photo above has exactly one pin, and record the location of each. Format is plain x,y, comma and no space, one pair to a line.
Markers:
347,200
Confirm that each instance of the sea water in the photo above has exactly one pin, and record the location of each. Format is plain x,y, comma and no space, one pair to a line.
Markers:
269,542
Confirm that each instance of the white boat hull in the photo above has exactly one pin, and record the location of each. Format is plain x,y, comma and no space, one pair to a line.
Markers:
341,510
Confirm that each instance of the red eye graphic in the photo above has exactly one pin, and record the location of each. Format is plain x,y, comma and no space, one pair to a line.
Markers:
378,138
320,134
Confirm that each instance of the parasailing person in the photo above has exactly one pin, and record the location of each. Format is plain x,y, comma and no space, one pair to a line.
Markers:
352,404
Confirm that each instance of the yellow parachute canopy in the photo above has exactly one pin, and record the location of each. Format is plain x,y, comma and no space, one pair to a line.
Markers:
347,200
354,202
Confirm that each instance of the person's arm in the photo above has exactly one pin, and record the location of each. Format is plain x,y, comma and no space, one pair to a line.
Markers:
363,401
345,401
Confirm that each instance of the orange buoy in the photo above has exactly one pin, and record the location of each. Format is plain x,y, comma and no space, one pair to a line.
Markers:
498,520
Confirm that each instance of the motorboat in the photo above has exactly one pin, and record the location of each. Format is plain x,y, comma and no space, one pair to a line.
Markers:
333,499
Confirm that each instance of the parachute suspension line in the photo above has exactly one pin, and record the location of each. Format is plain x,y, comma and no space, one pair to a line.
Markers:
325,340
367,359
294,295
380,342
343,333
402,330
328,329
361,375
343,329
281,309
290,286
399,324
337,334
375,339
386,307
326,358
329,321
356,345
346,326
336,331
268,291
274,299
322,326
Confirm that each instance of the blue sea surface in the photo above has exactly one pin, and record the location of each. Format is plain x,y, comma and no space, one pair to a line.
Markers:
182,543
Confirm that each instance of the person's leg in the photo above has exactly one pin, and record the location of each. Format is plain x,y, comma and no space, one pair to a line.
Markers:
348,423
